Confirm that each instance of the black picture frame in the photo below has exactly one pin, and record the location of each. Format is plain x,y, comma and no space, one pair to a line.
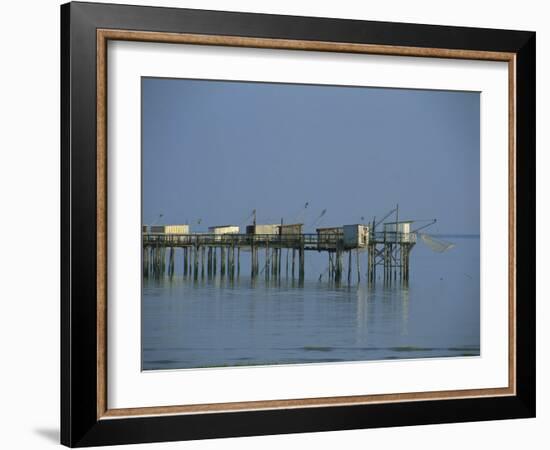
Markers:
79,423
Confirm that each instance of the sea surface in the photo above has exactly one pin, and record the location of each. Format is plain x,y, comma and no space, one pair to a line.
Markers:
219,322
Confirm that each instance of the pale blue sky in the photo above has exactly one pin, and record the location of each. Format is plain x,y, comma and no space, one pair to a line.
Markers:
215,150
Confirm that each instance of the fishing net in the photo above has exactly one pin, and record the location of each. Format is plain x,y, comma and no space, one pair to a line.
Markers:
436,245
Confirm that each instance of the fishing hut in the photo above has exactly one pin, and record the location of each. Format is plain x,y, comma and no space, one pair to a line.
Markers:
264,229
327,237
291,229
170,229
355,236
220,230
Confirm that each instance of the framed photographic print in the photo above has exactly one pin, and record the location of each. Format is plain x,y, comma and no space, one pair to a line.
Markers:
276,224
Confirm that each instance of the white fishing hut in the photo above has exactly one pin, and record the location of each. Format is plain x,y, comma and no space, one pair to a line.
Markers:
263,229
170,229
224,229
356,236
399,231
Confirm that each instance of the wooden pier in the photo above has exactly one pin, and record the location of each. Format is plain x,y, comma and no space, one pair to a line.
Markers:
271,255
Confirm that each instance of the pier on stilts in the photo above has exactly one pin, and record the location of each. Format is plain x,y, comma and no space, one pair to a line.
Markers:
281,249
224,253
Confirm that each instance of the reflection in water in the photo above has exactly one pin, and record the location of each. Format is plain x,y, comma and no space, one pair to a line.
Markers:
223,322
405,310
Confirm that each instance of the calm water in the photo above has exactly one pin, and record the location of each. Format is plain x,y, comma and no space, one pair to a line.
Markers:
209,323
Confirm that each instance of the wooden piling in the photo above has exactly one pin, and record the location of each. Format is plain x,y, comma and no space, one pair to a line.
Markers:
195,262
163,260
222,261
302,263
252,259
209,264
171,262
232,265
334,256
185,261
202,261
268,263
385,250
228,261
357,264
286,263
371,258
394,261
145,262
155,260
257,263
215,261
279,254
339,265
336,253
149,260
349,267
374,255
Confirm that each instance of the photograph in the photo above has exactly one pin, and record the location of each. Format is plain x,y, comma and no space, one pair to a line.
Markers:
292,223
279,220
